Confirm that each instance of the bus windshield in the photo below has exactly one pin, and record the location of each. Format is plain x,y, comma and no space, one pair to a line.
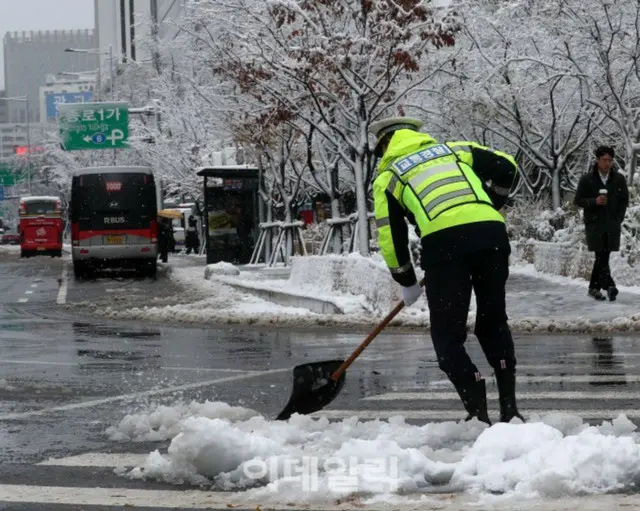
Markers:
97,195
39,207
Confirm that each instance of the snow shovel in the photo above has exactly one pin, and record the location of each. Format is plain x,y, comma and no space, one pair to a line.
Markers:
316,384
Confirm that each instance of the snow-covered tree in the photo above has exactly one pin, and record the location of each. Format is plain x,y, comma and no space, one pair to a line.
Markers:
336,65
602,39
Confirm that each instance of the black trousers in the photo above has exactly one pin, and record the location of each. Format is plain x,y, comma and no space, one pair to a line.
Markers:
601,273
448,289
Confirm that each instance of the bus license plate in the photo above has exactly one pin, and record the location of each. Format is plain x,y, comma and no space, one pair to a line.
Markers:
40,248
114,240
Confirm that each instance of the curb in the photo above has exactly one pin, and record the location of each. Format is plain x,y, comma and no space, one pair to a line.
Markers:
287,299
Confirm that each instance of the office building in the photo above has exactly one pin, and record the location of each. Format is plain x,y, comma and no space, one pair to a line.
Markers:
13,140
126,26
4,108
30,56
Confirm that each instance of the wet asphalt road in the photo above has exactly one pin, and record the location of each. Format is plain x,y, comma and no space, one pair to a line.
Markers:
65,377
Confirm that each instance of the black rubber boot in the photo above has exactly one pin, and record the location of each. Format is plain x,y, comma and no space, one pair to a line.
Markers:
474,399
506,380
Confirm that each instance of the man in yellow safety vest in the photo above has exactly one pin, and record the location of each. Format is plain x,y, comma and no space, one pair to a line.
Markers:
452,193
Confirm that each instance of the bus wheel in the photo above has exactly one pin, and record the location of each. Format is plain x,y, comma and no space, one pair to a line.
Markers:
151,269
79,269
25,253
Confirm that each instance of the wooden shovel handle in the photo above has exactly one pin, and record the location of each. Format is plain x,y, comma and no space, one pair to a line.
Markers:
345,365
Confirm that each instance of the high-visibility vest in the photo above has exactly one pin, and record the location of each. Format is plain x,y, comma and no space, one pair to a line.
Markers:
437,186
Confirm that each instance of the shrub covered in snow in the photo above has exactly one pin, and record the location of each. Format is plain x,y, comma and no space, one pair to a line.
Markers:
531,219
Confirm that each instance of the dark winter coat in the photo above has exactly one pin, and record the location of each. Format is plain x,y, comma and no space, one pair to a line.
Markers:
603,223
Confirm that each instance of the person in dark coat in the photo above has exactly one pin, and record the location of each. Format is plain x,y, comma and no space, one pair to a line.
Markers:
165,238
604,196
192,241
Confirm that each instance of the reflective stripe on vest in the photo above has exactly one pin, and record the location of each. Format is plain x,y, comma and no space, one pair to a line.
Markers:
433,197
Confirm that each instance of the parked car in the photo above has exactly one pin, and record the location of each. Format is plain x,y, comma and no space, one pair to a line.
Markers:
10,239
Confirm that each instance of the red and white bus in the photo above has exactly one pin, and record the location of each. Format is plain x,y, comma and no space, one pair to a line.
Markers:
41,226
113,213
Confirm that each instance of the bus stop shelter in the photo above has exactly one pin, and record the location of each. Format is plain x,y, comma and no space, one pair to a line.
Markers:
230,212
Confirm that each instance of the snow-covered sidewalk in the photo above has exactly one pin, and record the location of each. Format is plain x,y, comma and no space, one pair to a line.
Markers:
361,292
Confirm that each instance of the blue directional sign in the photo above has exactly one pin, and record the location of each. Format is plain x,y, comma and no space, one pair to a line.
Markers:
64,98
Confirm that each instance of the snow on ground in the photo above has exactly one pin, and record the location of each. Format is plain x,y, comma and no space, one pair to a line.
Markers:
364,291
9,249
311,460
214,302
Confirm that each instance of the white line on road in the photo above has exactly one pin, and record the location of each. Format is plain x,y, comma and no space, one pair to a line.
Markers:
121,497
203,499
163,368
549,395
457,415
23,300
585,354
136,395
62,292
600,377
28,292
99,459
34,285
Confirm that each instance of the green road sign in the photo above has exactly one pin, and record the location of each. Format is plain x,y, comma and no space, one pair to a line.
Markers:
93,125
9,176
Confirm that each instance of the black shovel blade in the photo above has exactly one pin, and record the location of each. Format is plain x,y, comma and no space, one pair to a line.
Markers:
313,388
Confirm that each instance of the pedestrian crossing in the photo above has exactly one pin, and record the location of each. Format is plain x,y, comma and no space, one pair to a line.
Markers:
591,386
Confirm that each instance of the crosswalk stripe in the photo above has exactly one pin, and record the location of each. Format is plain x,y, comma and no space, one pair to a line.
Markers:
618,365
121,497
562,378
446,396
201,499
98,459
459,414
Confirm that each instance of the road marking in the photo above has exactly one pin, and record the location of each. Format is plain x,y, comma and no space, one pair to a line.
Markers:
62,292
34,285
458,415
203,499
604,377
136,395
72,364
99,459
121,497
549,395
28,292
23,300
596,354
613,364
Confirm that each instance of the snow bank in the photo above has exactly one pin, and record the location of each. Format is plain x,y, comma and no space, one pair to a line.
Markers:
536,302
9,249
365,277
221,268
311,460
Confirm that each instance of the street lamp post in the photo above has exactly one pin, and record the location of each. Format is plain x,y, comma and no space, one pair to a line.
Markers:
25,99
92,51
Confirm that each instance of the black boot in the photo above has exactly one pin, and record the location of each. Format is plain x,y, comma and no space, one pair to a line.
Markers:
506,379
474,399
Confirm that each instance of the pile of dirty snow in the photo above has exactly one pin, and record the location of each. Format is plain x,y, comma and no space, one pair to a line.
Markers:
311,460
220,268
